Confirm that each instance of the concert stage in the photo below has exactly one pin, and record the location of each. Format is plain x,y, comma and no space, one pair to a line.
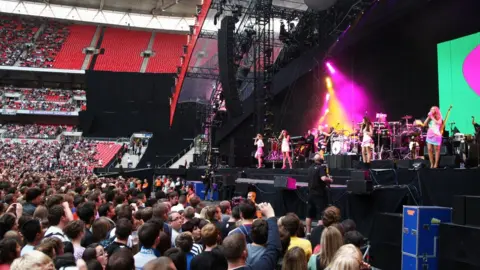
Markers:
393,189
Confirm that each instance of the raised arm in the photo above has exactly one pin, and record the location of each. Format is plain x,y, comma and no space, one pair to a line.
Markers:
274,246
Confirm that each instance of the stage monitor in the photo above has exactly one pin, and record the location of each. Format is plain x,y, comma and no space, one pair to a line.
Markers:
459,81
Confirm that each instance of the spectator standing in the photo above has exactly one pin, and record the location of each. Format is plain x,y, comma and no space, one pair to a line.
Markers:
235,246
175,220
259,236
184,241
57,219
247,215
75,230
149,237
33,198
331,215
32,233
122,232
330,242
291,223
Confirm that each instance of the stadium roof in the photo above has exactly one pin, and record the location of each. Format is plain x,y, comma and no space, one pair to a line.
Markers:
157,7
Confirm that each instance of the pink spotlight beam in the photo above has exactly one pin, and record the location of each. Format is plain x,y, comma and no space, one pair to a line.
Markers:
327,97
330,68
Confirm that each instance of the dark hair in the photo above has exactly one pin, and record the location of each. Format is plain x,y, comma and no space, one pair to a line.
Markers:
32,194
93,197
109,195
103,209
236,212
349,225
9,198
7,221
74,228
119,199
178,258
160,210
291,223
210,213
30,229
8,250
189,212
147,234
165,243
86,212
184,241
355,238
248,210
162,263
90,253
158,222
146,213
124,211
160,195
224,206
233,246
141,196
121,260
77,200
94,265
194,201
123,228
55,214
172,194
56,199
100,229
259,232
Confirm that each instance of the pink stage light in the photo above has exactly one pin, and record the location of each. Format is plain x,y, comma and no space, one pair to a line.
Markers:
330,68
327,97
327,111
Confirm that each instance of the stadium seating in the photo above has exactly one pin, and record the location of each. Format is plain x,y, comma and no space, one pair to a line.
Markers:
33,131
106,151
71,55
46,46
15,34
123,50
168,49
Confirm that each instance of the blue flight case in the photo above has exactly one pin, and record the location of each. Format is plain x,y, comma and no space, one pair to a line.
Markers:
419,236
200,190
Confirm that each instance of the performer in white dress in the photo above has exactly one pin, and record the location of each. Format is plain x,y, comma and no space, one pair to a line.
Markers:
367,141
259,152
285,148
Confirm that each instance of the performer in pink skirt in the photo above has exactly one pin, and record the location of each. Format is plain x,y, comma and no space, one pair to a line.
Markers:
259,153
434,135
367,141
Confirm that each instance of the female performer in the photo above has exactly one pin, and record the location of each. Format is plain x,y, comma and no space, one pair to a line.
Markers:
285,148
259,154
322,140
367,141
434,135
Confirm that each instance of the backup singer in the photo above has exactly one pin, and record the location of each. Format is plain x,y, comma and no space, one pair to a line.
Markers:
259,153
310,142
285,148
434,135
367,141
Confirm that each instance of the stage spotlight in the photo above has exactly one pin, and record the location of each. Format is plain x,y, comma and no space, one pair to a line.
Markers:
329,82
327,111
327,97
330,68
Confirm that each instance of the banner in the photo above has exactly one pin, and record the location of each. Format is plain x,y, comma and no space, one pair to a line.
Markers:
58,113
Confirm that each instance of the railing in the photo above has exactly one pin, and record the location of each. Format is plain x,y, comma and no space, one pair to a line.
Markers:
177,157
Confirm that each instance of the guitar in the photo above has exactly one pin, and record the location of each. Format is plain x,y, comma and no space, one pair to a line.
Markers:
442,128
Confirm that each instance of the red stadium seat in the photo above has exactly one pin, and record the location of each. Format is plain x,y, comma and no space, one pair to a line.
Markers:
167,48
123,50
71,55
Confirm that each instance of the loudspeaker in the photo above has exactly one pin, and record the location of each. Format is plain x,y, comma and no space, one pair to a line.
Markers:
382,164
386,241
360,175
458,247
359,186
229,180
227,66
458,215
452,161
284,182
472,208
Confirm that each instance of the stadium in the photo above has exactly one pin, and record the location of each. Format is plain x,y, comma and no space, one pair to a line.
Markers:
239,134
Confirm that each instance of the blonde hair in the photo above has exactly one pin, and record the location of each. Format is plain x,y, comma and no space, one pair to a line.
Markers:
33,260
348,257
330,241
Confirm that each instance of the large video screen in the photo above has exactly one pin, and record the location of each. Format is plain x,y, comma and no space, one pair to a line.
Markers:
459,81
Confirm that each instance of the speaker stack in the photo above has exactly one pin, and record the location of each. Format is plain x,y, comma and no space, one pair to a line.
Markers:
228,67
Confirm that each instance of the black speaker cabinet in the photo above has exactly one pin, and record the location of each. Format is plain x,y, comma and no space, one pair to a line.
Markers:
458,247
359,186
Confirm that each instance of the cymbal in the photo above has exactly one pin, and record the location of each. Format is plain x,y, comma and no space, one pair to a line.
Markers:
407,117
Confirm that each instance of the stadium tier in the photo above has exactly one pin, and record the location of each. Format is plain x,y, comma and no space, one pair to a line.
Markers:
167,50
71,55
123,50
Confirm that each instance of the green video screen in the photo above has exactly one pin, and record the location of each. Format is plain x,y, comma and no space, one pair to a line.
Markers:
459,81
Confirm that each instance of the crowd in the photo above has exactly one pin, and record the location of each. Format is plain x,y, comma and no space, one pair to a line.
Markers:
41,99
18,43
15,35
46,47
86,222
32,131
59,158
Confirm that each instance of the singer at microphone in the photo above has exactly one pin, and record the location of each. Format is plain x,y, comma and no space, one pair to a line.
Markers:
367,142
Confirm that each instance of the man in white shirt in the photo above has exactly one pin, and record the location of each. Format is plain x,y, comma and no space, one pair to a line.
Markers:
175,220
149,237
57,219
